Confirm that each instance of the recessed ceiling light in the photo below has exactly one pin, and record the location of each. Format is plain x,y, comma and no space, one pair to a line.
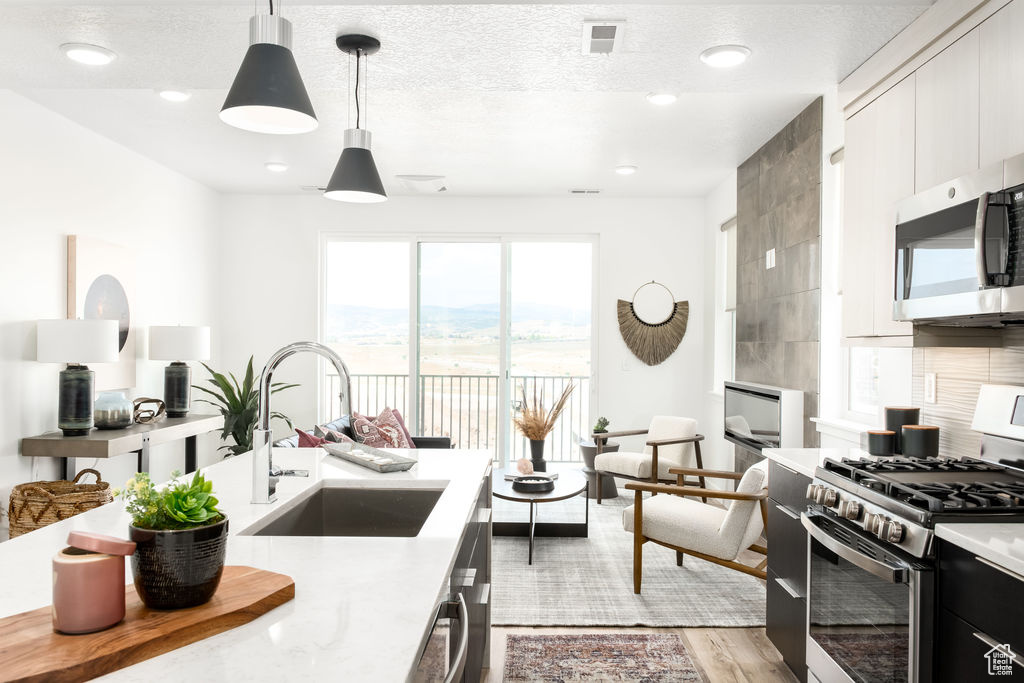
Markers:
175,95
661,98
725,56
625,170
276,166
91,55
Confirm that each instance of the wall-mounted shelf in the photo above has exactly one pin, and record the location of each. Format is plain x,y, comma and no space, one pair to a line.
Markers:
109,443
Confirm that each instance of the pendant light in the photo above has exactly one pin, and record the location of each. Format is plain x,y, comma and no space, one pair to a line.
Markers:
355,178
268,95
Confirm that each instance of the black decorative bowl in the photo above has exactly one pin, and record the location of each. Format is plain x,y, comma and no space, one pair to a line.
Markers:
177,569
533,483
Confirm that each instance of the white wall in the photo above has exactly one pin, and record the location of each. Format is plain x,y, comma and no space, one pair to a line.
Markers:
58,178
271,281
719,207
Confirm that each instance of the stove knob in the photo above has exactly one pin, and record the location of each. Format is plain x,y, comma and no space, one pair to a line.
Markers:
850,509
892,532
830,498
812,491
881,526
873,523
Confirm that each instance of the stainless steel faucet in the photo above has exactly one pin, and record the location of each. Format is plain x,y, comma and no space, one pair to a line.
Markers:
264,483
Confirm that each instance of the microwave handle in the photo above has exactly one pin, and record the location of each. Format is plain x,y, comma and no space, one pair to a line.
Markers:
979,240
882,570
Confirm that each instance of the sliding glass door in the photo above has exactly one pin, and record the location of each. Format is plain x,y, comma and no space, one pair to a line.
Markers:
454,332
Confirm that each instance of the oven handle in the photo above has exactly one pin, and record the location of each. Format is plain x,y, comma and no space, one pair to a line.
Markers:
979,240
882,570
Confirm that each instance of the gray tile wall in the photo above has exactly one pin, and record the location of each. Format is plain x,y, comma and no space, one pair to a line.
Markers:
959,374
777,310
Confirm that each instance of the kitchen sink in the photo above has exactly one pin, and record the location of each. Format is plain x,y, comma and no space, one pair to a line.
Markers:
355,511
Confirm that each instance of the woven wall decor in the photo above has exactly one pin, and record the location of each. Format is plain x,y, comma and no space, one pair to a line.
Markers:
653,342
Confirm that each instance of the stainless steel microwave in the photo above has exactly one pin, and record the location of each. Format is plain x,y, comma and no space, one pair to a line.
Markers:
960,250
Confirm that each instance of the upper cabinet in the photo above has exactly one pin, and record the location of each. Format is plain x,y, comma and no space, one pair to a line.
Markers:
947,113
878,171
1002,84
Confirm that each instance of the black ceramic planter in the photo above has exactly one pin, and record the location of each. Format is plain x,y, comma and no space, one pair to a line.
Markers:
537,455
177,569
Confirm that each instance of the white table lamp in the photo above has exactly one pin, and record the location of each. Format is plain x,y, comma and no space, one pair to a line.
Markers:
178,344
76,342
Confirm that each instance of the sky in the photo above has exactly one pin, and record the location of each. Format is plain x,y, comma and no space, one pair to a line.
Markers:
458,274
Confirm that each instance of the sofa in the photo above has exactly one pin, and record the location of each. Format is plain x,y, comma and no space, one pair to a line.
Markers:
343,425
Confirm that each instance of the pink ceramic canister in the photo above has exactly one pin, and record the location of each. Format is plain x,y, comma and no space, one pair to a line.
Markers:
88,582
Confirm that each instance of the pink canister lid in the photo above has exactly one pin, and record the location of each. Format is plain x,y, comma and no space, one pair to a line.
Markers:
100,543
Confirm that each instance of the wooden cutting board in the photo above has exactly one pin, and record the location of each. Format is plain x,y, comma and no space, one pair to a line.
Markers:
30,650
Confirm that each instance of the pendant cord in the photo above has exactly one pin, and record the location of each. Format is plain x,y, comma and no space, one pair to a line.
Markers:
359,54
271,7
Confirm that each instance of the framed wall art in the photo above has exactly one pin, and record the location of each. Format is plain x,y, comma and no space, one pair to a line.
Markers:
101,284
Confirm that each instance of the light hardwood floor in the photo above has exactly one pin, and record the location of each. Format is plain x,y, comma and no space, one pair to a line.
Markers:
724,655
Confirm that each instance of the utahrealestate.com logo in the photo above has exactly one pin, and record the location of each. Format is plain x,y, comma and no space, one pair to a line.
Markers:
1000,660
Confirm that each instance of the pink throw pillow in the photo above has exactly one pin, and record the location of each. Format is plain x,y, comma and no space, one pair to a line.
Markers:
307,440
384,431
405,430
330,435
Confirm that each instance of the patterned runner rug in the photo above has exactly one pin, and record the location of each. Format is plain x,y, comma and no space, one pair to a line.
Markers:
588,581
612,657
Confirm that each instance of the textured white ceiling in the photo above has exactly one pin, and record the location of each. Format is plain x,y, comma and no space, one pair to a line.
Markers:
497,98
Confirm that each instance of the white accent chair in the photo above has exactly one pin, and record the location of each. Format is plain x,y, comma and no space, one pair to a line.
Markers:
706,531
671,442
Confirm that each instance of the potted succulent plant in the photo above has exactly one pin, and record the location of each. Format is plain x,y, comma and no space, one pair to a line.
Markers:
180,540
601,426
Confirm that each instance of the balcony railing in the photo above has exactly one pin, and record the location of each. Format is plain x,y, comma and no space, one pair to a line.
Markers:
466,407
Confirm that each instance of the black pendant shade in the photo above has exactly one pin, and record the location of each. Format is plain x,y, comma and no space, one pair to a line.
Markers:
355,178
268,95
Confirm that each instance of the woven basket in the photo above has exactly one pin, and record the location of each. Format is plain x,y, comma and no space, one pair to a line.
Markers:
40,503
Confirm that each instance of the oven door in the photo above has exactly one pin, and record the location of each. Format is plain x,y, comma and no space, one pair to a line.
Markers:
951,248
869,609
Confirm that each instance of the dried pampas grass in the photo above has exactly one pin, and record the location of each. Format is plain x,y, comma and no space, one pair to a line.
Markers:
533,422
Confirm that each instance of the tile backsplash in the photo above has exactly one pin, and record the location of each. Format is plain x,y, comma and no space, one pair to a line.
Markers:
959,374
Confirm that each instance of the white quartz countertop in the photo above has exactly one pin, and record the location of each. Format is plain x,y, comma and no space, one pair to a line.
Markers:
1001,544
362,607
806,460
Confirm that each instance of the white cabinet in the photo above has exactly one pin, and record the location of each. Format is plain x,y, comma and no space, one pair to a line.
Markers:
878,171
1001,91
948,113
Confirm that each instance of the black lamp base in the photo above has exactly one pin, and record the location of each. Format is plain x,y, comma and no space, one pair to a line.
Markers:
77,386
177,387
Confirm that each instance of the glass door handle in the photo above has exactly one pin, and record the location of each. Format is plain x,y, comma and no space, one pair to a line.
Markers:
882,570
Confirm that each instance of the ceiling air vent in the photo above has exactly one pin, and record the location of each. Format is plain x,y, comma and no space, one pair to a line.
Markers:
584,191
603,36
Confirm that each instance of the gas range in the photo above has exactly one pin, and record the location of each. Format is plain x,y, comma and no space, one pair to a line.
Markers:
899,500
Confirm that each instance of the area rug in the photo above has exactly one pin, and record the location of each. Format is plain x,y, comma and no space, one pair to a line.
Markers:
613,657
589,581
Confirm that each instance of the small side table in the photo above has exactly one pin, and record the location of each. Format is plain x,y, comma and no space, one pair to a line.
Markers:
569,484
109,443
608,488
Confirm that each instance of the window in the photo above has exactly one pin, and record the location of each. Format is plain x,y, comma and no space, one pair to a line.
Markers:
725,305
450,331
862,384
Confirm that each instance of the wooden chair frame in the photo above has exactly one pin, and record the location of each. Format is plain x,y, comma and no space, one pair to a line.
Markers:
601,437
679,489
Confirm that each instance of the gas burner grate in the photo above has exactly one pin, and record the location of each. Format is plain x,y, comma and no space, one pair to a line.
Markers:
944,497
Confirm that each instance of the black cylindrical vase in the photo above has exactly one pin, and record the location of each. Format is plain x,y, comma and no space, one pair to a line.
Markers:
77,385
920,441
537,455
895,418
177,385
177,569
881,442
